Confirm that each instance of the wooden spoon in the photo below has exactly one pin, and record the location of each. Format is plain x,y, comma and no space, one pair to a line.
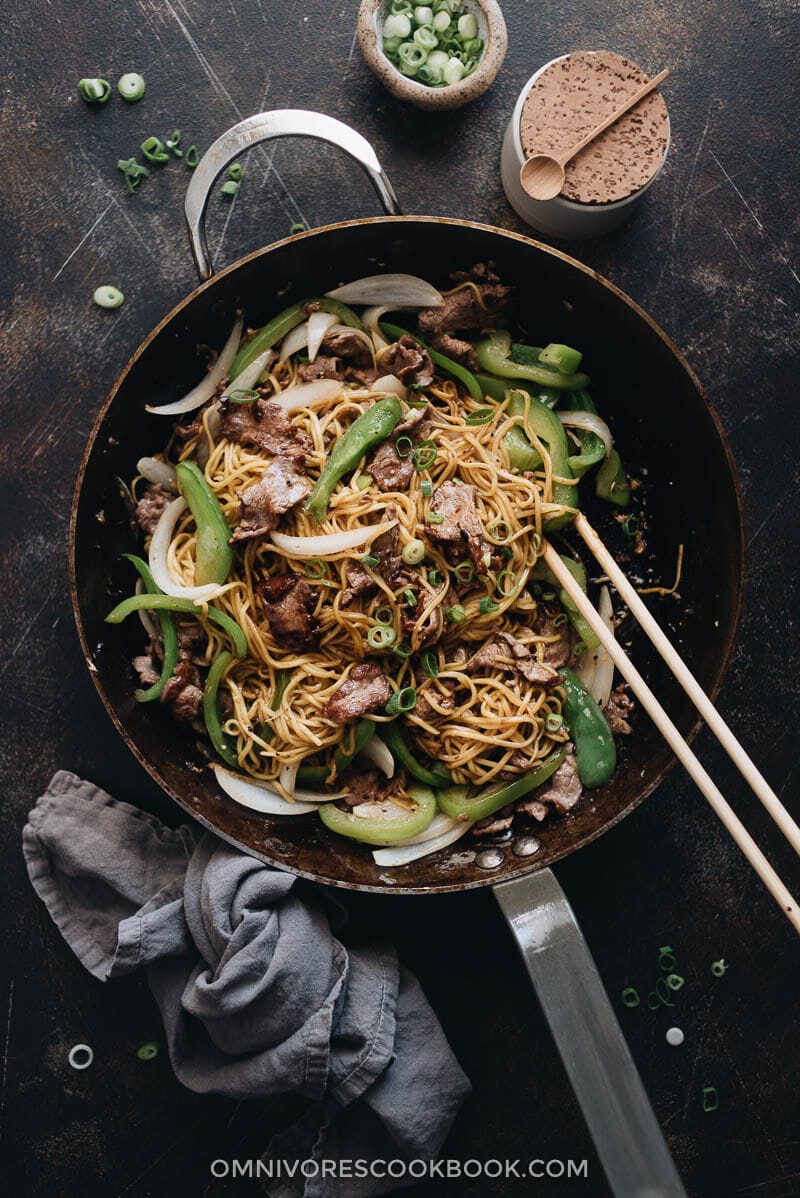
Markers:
542,176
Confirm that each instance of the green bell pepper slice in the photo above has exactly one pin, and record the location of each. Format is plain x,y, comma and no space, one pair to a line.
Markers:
211,715
595,751
370,429
159,602
522,455
593,448
455,369
277,328
564,358
392,737
214,555
541,571
382,830
493,355
457,802
169,635
612,482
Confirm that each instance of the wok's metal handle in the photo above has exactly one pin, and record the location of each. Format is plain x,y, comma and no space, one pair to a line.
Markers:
265,126
607,1085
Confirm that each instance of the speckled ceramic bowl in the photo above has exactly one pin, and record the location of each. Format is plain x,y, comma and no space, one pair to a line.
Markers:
491,27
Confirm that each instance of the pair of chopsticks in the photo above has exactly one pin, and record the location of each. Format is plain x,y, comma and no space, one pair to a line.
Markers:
667,728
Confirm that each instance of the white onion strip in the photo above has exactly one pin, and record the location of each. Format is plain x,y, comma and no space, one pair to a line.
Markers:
287,778
398,289
208,384
305,395
295,339
158,472
604,674
159,548
404,854
319,323
330,544
389,384
590,422
258,798
148,623
246,379
377,754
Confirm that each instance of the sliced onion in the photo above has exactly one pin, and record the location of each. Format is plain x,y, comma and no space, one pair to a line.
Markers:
440,824
247,378
148,623
305,395
604,675
377,754
329,545
158,472
319,323
404,854
590,422
159,547
294,340
251,794
407,291
208,384
389,384
287,778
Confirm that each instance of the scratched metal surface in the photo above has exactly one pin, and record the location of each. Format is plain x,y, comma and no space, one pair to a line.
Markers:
712,255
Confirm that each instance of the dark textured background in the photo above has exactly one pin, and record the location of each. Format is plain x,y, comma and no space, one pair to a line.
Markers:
711,255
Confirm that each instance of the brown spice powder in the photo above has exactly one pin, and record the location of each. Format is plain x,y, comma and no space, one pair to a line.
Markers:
575,94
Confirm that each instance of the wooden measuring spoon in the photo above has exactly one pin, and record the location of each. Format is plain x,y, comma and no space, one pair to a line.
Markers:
542,176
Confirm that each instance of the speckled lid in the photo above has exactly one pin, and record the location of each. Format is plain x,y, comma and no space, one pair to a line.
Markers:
575,93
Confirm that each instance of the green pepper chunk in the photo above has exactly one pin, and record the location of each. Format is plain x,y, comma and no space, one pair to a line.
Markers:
163,603
371,427
612,482
458,804
593,448
455,369
276,329
493,355
211,710
169,635
214,554
541,571
312,774
382,830
392,737
565,359
549,429
595,751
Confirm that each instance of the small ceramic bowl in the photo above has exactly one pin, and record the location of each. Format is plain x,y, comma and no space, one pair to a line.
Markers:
491,27
561,217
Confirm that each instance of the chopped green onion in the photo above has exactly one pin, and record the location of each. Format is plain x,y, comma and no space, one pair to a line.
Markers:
506,588
464,571
481,416
384,615
381,637
411,58
410,597
404,447
363,482
94,91
192,156
425,455
315,568
666,959
154,150
630,997
396,25
441,20
235,172
131,87
297,227
173,142
402,700
243,395
108,297
536,542
561,619
229,188
435,518
554,722
719,968
630,525
430,664
487,606
413,552
506,553
403,650
454,71
371,561
500,531
662,990
675,981
548,596
578,649
468,25
653,1001
710,1099
435,578
425,37
456,614
426,488
147,1052
417,403
133,171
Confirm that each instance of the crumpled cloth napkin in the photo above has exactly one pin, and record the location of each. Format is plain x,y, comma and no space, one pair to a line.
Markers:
257,995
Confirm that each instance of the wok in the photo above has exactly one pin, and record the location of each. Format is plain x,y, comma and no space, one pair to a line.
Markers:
664,426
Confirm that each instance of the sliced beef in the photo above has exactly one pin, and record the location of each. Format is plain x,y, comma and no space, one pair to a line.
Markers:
151,506
505,652
350,347
461,531
617,709
359,583
386,547
495,293
366,374
413,418
409,361
390,471
365,689
323,367
145,667
455,348
446,702
492,825
364,786
261,506
564,788
534,808
183,693
288,602
557,652
265,425
462,309
431,627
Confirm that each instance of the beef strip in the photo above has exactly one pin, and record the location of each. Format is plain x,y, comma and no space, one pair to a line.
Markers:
365,374
261,506
455,348
364,786
145,668
389,470
564,788
265,425
413,418
409,361
426,711
505,652
461,531
350,347
463,310
151,506
534,808
323,367
558,652
183,693
492,825
386,547
365,689
617,709
288,602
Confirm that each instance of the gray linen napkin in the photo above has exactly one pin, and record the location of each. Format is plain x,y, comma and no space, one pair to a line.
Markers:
257,995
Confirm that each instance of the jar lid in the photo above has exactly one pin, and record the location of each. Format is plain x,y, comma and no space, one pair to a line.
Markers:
573,94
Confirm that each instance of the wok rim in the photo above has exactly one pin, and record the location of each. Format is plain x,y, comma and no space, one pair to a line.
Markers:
523,868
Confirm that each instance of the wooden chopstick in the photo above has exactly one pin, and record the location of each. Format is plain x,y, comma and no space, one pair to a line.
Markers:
674,739
686,678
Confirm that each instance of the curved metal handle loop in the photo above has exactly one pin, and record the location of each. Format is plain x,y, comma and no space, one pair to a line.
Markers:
264,126
605,1079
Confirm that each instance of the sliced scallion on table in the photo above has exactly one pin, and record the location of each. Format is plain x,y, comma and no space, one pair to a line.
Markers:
131,87
108,297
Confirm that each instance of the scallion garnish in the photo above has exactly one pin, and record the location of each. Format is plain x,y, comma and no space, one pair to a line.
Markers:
404,447
481,416
456,614
425,455
371,561
235,172
675,981
630,997
192,156
297,227
402,700
410,597
108,297
719,968
426,488
229,188
499,531
173,141
554,722
487,606
384,615
315,568
560,619
94,91
381,637
430,664
413,552
148,1051
131,87
666,959
133,171
506,583
363,482
435,518
435,578
154,150
402,650
464,571
710,1099
243,395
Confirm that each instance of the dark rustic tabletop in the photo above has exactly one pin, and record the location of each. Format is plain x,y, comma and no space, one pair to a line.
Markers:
711,254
